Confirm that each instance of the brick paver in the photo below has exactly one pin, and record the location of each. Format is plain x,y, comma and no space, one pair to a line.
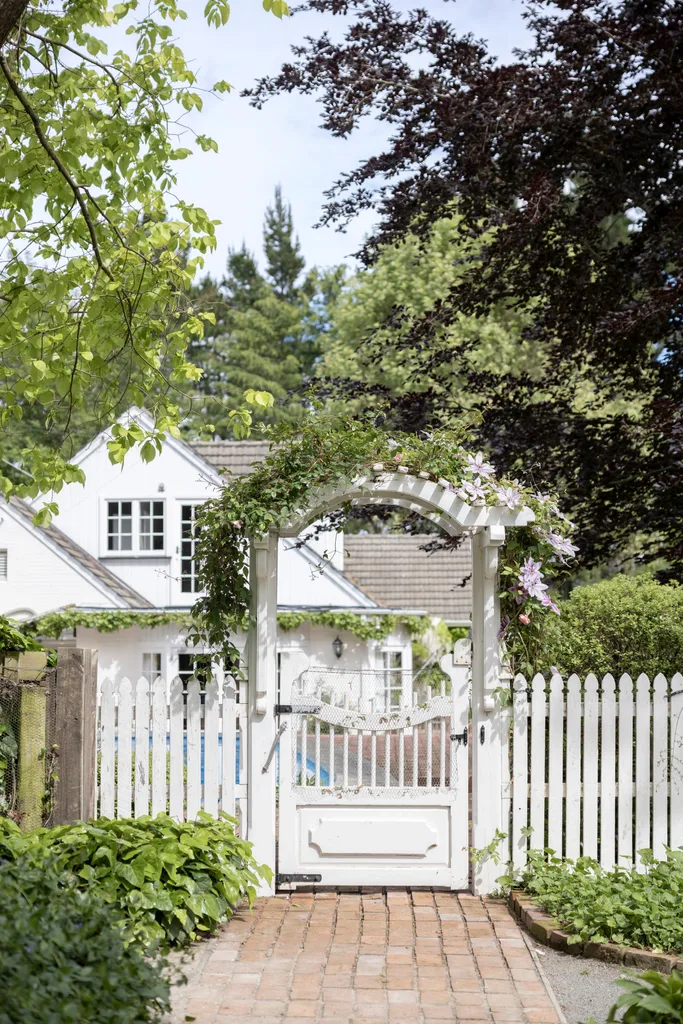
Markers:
366,958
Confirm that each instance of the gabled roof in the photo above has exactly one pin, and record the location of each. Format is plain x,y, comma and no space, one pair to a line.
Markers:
396,572
236,457
72,551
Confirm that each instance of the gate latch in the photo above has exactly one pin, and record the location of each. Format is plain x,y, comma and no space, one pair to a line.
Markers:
460,737
295,709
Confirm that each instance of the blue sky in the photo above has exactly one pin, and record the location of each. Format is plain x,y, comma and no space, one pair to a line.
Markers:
283,142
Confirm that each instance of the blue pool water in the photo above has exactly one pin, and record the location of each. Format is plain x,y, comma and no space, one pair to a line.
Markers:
310,765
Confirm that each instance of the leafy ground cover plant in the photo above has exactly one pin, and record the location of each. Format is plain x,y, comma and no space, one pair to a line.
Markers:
64,955
651,998
172,881
622,905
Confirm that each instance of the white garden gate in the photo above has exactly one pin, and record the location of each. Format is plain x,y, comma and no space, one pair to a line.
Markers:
368,832
370,795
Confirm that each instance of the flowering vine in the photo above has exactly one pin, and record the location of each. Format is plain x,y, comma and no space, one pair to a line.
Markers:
320,452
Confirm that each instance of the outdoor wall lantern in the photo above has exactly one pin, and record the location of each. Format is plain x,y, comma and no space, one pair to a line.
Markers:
337,646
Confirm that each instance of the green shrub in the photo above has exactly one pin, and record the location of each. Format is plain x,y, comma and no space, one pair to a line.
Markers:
172,880
63,957
621,905
627,624
650,998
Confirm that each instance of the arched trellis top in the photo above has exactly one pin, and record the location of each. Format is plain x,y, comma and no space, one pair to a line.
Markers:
436,500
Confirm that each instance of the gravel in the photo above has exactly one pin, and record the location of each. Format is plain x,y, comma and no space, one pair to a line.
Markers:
584,988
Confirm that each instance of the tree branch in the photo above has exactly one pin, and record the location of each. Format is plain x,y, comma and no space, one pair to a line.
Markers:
10,13
57,161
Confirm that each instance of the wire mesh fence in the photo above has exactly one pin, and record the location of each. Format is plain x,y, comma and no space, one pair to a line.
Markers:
28,757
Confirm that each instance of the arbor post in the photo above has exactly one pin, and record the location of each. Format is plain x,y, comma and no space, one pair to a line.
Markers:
487,720
262,689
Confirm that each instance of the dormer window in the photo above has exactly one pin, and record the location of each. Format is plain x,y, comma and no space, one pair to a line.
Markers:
135,527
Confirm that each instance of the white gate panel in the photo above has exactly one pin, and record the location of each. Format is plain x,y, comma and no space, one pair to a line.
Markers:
370,795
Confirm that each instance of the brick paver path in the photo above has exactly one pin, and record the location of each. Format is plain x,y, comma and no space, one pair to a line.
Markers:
362,959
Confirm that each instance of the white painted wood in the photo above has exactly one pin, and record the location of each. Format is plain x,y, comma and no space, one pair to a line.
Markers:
608,779
142,758
159,715
573,769
373,760
660,766
194,750
676,760
625,771
177,757
430,755
520,773
537,814
124,765
211,715
229,733
555,764
107,713
643,763
590,768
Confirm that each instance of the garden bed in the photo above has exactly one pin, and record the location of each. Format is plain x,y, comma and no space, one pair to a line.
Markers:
548,932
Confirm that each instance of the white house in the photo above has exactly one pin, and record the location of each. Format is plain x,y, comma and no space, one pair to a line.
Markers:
124,542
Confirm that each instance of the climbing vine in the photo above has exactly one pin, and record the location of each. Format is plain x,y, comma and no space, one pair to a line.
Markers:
365,627
320,452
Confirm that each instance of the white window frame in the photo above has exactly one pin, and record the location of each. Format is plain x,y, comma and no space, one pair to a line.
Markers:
4,563
195,504
157,656
136,551
390,674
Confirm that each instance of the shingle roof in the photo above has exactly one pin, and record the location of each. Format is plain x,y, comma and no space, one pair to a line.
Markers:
393,570
238,457
80,555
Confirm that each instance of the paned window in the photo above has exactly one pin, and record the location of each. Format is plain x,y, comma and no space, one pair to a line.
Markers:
198,665
151,665
392,666
119,526
3,564
151,526
189,582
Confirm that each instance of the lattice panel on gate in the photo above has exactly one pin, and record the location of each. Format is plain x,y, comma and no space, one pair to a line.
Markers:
363,729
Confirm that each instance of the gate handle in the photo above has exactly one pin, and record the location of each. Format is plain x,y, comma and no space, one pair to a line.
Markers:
273,748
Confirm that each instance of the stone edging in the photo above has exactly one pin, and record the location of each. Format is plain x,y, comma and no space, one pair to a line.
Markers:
547,931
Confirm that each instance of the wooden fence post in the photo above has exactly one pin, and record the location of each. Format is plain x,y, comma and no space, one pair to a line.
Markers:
75,734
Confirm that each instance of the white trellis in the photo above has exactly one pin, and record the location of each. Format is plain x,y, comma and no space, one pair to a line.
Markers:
438,502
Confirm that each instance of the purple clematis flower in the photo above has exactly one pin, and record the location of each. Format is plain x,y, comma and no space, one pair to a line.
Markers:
548,602
531,579
472,490
510,496
478,464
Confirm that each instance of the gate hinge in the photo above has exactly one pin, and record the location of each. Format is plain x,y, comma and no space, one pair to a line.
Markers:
461,737
284,709
287,879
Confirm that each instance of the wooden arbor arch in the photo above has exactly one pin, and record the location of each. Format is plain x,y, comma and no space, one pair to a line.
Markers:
438,502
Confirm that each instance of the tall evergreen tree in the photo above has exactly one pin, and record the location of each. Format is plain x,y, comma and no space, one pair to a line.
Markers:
284,262
268,328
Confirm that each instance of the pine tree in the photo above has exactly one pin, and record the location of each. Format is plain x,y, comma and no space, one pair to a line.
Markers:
284,262
268,330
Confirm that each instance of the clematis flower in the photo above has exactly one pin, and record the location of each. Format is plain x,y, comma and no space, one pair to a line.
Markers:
505,622
472,490
531,579
478,464
548,602
510,496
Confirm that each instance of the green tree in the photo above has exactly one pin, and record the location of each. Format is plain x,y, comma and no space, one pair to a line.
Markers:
268,330
94,271
284,262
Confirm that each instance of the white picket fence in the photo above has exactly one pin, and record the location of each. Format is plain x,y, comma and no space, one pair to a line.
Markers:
171,747
596,769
